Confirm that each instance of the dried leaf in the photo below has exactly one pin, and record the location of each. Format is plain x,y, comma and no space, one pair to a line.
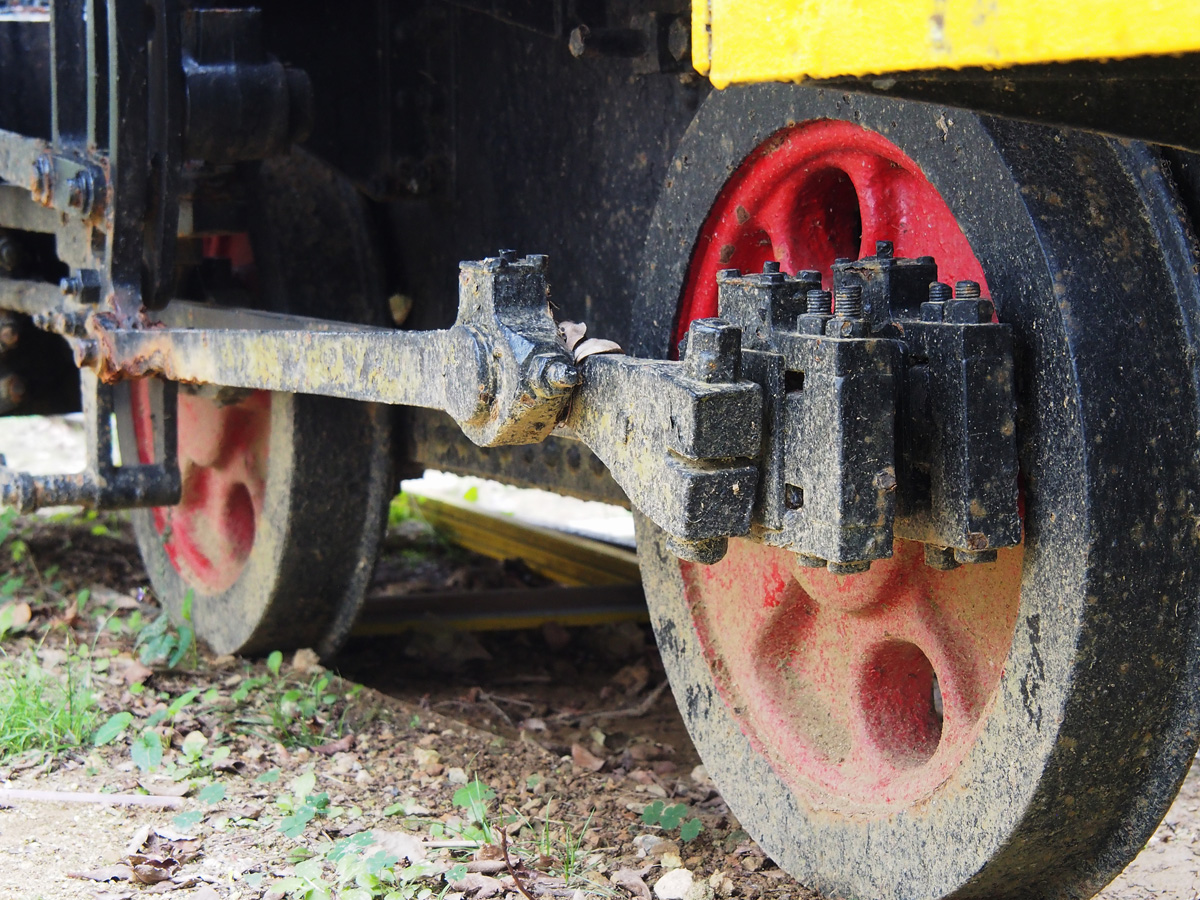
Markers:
572,333
103,596
585,758
164,886
344,745
138,841
486,866
399,843
20,615
593,346
478,885
152,869
136,673
107,873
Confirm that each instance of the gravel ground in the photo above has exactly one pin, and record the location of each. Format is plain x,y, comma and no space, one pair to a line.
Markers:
569,728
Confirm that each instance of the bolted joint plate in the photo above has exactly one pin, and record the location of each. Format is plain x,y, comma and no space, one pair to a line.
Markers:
838,424
959,461
685,453
504,302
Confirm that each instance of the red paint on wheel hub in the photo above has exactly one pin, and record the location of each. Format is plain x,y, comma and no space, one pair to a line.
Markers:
864,691
223,449
817,192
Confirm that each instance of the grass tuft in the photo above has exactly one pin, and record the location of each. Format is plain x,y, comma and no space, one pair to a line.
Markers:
41,710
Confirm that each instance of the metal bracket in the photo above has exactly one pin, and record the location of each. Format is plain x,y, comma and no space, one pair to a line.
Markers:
822,424
103,484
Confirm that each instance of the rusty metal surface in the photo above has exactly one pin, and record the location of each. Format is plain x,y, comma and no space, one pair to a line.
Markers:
103,484
376,366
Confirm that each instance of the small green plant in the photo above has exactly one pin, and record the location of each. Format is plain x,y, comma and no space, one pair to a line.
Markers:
473,799
146,750
400,510
672,817
571,847
354,869
161,642
302,805
41,710
303,714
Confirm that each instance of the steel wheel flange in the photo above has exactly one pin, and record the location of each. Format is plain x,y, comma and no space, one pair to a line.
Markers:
1070,717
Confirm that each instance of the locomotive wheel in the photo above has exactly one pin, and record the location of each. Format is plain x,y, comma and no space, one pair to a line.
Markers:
284,495
1014,729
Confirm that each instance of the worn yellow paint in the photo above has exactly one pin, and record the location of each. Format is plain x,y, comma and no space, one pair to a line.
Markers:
558,556
737,41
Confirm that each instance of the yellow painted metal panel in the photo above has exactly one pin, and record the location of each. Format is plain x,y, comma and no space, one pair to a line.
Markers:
737,41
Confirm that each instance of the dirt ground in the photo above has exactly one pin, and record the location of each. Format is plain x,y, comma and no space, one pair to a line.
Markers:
571,729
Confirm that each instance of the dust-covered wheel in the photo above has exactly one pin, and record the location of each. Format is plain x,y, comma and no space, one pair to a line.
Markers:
284,496
1013,729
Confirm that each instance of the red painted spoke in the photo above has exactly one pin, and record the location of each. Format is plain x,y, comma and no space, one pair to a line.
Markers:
868,688
223,450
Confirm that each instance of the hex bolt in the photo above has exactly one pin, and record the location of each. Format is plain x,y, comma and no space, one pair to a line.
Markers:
819,302
848,302
771,273
81,191
967,290
885,249
727,274
71,285
561,375
939,291
551,376
714,351
508,255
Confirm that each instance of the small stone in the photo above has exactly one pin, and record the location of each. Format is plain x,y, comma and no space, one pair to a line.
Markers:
426,759
752,863
674,885
456,775
671,860
643,843
305,661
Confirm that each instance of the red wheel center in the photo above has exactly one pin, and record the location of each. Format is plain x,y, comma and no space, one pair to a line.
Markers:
864,691
224,439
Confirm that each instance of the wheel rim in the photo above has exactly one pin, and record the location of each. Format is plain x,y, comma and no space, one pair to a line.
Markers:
223,446
864,691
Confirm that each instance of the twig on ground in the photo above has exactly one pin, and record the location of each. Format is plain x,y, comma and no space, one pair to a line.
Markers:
511,701
629,712
8,794
487,701
508,864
